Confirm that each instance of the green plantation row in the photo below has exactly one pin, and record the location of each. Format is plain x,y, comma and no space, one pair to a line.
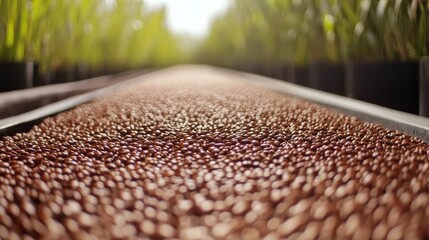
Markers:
90,33
125,34
257,32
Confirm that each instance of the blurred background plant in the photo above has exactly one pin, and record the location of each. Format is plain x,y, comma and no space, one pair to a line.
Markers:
15,29
303,31
117,35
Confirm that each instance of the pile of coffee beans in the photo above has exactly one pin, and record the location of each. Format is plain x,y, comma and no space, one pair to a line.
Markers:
209,158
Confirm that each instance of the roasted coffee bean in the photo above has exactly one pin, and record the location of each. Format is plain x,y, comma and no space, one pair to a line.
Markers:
210,158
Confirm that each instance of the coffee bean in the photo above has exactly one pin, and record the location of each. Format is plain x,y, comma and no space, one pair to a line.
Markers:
207,159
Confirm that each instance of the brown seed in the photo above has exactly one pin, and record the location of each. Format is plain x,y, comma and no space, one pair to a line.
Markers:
292,224
166,230
194,233
273,224
203,157
71,207
148,227
250,233
221,230
240,208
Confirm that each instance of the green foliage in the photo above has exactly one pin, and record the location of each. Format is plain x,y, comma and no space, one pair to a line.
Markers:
383,29
246,35
125,34
275,32
119,34
15,27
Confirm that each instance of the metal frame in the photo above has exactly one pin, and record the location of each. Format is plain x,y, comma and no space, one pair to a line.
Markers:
24,121
414,125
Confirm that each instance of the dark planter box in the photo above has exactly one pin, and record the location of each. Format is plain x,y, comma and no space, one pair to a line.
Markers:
41,78
81,72
296,74
16,75
44,78
100,71
424,86
259,69
64,74
389,84
274,71
328,77
243,68
36,75
301,76
288,72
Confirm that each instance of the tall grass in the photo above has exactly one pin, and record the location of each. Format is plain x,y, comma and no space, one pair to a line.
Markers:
15,29
97,33
125,34
302,31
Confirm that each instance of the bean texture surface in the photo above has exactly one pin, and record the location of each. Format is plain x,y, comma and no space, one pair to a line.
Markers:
203,157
